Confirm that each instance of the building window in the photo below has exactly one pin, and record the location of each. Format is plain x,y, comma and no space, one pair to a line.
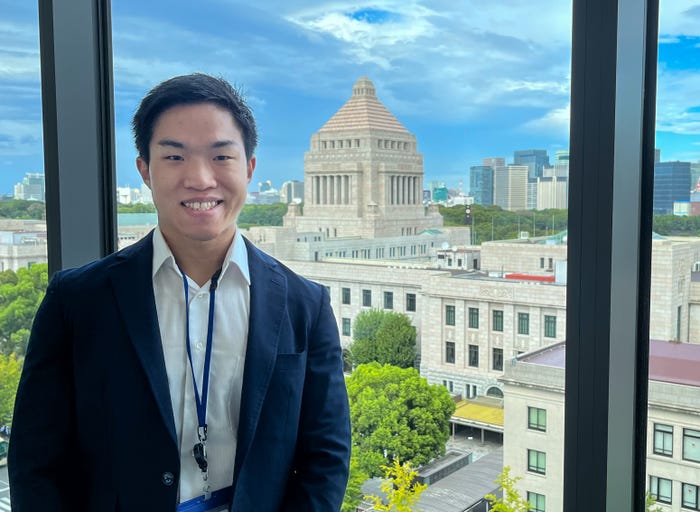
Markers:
410,302
346,295
541,262
366,298
536,501
663,439
449,315
537,462
660,489
523,323
690,497
448,384
691,445
473,318
497,324
346,327
550,326
471,390
388,300
537,419
474,356
450,352
498,359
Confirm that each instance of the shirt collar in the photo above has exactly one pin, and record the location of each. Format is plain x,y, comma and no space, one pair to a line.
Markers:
236,254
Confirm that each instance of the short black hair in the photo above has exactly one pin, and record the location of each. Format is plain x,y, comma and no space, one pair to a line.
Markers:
188,90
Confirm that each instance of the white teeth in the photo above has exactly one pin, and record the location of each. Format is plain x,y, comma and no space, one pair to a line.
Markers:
206,205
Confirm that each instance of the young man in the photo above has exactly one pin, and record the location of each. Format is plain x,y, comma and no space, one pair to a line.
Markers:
189,371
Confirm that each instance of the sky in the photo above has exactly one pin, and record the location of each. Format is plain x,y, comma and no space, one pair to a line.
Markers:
470,79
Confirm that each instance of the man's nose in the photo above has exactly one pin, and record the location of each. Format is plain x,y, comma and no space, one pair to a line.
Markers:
200,174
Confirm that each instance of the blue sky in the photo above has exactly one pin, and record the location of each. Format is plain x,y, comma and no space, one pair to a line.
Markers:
471,79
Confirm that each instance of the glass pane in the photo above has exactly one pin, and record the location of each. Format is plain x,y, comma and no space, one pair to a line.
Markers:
23,250
674,327
418,149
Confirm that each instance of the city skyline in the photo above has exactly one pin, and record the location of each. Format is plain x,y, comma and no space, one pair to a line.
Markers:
469,87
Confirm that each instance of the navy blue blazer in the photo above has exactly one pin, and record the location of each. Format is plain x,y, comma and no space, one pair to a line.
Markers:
93,427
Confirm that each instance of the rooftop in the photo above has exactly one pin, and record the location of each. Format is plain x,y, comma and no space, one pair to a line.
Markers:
669,361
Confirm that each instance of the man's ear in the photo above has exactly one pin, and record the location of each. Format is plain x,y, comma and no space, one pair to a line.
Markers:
251,168
142,166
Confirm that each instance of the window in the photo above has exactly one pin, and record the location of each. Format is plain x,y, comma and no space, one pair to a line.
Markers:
663,439
410,302
448,384
449,315
497,324
523,323
498,359
550,326
690,497
473,318
471,390
537,419
691,445
388,300
537,462
660,489
346,327
450,352
536,501
474,356
346,295
366,298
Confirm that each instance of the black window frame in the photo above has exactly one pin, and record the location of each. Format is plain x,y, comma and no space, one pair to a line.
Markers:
450,314
687,504
654,485
388,300
540,421
473,318
473,356
345,296
346,326
497,359
411,302
366,298
450,352
497,320
694,436
523,323
664,433
540,465
535,507
550,326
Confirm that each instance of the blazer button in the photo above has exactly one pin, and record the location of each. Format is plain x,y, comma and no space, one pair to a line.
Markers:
167,478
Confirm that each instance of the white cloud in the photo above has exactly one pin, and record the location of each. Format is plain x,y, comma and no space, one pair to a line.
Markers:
20,137
678,101
679,18
554,123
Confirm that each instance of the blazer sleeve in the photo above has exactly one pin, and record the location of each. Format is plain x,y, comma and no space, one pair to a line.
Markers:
42,451
321,465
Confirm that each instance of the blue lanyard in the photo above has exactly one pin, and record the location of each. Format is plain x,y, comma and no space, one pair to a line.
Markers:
201,402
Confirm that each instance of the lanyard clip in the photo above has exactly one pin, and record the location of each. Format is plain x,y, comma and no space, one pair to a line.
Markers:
202,433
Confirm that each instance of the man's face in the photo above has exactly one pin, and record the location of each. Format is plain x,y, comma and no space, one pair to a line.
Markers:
198,174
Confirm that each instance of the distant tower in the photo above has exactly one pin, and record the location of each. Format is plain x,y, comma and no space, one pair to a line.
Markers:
363,175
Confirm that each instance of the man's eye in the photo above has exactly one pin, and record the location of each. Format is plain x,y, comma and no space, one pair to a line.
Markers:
174,157
223,157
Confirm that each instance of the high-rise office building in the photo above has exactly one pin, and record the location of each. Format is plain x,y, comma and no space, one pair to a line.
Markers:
510,187
32,187
481,184
671,183
535,159
494,162
292,191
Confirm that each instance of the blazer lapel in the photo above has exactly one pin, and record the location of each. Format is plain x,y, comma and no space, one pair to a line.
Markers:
133,286
268,290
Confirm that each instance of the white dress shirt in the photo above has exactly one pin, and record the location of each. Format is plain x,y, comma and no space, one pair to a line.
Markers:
231,315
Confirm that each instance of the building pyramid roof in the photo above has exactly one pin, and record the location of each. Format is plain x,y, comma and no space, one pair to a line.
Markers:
363,111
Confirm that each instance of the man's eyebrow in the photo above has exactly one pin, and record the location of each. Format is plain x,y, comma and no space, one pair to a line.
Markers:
224,143
171,143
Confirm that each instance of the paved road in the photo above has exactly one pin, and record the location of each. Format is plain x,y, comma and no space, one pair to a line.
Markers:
4,490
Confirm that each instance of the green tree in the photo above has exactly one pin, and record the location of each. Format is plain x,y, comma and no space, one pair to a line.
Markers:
136,208
10,370
353,491
395,413
649,502
262,215
510,500
22,209
20,296
386,337
399,487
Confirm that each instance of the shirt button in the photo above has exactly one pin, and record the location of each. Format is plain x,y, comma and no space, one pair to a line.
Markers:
167,478
199,345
